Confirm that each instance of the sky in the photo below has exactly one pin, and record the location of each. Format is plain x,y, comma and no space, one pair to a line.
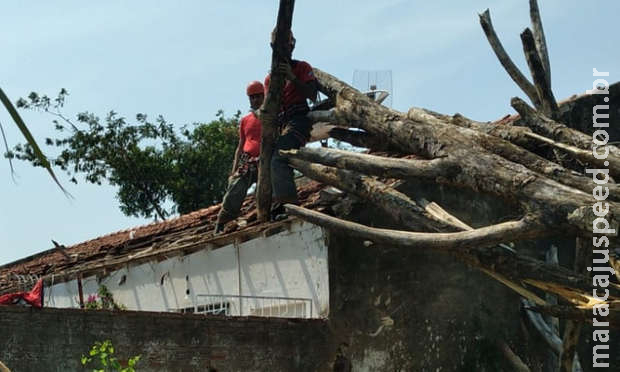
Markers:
187,59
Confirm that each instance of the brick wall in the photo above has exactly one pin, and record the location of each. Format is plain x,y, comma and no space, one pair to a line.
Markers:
54,339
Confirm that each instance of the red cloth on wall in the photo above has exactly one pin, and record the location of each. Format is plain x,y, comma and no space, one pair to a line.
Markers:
34,297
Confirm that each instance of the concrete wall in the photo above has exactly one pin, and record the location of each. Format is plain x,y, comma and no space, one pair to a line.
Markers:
53,340
290,264
394,309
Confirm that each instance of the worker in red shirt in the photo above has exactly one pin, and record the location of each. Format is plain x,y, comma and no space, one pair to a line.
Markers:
295,127
245,165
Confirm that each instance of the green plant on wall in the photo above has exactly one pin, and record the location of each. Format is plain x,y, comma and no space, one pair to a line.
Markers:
101,358
103,300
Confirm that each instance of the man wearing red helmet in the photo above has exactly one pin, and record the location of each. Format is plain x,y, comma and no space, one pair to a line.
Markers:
245,165
295,127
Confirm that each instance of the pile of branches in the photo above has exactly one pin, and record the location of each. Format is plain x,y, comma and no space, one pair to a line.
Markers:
531,160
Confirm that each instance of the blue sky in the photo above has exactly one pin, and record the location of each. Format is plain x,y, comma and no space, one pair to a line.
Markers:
187,59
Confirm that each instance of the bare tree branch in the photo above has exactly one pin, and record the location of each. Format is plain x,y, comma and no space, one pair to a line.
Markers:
399,206
513,358
547,101
572,142
549,128
554,341
482,237
377,165
512,70
539,37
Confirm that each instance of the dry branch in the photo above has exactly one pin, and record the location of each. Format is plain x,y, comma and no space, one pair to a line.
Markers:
578,314
548,104
569,140
377,165
539,38
515,361
270,108
512,70
568,356
526,228
396,204
549,128
552,340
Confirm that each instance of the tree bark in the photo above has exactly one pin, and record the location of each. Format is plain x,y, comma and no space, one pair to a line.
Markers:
539,38
360,139
564,207
512,70
396,204
572,141
377,165
270,108
521,140
549,106
484,237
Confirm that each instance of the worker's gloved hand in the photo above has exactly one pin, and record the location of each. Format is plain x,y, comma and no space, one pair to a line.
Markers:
286,69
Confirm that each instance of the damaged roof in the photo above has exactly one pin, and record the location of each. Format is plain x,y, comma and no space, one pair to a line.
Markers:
182,235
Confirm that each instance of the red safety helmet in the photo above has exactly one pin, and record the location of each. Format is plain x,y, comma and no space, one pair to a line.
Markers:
255,87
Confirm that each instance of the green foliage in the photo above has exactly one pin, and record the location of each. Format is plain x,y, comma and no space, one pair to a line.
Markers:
102,356
158,170
103,300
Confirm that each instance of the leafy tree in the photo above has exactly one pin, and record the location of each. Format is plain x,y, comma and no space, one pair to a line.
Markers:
157,169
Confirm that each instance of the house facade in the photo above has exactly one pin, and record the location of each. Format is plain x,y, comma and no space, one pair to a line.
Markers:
284,275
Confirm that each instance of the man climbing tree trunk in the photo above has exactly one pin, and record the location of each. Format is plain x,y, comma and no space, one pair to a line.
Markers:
271,107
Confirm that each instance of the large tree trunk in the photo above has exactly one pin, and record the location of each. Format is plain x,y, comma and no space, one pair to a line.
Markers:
271,107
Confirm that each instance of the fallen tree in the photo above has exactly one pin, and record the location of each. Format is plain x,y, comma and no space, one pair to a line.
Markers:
531,160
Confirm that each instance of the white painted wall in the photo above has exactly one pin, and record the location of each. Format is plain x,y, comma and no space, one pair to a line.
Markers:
291,264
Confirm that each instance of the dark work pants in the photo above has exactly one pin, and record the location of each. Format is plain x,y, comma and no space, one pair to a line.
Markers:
295,134
235,194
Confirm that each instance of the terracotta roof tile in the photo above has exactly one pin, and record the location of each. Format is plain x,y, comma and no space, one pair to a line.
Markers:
124,241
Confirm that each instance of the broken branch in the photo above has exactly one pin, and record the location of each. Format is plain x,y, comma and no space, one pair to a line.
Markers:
547,101
539,38
525,228
377,165
512,70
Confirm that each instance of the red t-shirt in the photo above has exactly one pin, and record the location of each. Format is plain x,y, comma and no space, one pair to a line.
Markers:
291,95
249,132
